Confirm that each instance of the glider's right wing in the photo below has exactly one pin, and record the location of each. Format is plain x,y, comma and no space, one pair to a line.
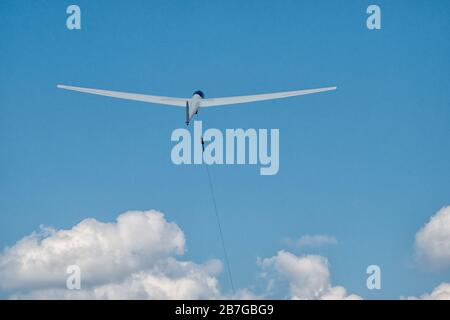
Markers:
212,102
179,102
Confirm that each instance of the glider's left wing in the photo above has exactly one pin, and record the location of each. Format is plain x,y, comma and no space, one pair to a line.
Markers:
179,102
259,97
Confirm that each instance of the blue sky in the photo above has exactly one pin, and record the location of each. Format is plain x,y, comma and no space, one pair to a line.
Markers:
367,164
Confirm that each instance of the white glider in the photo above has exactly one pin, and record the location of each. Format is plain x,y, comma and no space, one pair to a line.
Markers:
197,100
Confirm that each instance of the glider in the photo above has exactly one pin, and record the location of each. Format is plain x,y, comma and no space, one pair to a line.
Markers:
197,100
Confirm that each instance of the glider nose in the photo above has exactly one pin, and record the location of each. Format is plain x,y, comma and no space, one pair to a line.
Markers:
199,93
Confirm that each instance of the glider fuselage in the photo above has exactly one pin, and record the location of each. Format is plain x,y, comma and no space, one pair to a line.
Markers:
192,105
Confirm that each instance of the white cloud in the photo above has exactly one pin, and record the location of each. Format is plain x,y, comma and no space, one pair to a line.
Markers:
441,292
138,257
131,258
308,276
174,280
312,241
432,241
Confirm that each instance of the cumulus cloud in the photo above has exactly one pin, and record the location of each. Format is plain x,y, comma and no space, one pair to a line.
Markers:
139,257
432,242
308,276
131,258
174,280
441,292
312,241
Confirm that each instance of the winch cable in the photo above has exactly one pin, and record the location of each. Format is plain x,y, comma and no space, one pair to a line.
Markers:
216,211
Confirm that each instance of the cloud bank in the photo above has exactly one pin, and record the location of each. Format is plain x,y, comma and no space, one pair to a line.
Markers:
139,257
133,257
